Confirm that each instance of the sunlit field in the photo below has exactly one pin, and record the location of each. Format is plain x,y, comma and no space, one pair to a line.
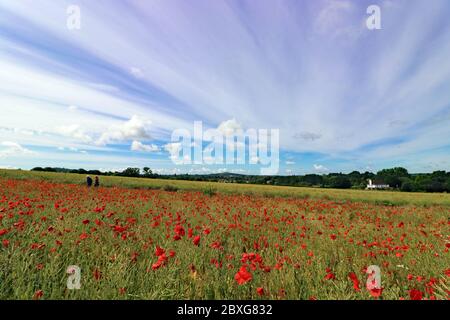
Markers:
376,197
140,239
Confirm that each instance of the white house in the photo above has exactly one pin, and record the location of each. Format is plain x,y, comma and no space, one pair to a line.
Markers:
376,185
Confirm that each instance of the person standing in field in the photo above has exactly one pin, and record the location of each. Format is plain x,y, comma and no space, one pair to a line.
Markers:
88,181
97,182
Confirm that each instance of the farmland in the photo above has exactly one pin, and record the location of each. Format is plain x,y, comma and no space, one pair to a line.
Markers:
378,197
159,239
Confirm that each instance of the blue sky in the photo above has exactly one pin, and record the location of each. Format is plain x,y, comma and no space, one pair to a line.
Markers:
109,95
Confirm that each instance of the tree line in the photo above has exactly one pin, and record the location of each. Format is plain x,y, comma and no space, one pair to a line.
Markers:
397,178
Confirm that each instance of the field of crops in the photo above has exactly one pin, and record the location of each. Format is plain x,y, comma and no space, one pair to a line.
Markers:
149,243
376,197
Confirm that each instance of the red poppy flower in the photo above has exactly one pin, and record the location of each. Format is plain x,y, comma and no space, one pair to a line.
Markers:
176,237
376,292
38,294
179,230
196,240
161,262
156,265
159,251
84,236
97,274
415,294
243,276
260,291
216,245
330,276
447,272
3,232
119,229
355,281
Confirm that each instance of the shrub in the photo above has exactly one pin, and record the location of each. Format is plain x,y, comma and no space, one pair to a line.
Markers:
210,191
170,188
407,186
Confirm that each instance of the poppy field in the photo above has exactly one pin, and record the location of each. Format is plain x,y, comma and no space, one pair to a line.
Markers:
156,244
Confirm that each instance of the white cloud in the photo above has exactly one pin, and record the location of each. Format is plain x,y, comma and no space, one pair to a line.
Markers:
74,131
136,72
41,93
8,167
73,108
72,149
167,171
136,128
288,162
255,160
13,149
139,146
174,149
24,132
320,168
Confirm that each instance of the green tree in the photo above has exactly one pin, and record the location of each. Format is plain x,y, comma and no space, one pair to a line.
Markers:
147,171
131,172
396,172
340,182
435,186
393,176
407,185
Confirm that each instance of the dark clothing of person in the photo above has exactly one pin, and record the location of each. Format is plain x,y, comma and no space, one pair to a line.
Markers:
97,182
89,181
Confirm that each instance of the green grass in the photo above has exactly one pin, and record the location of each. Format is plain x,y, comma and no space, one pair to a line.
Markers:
376,197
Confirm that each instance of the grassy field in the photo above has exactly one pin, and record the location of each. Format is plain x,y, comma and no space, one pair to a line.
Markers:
377,197
135,240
